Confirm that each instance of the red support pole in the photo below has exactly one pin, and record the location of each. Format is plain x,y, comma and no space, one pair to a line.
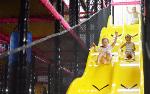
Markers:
64,23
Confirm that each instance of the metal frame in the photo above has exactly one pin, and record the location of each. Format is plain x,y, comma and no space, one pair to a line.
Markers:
64,23
54,71
18,82
73,12
146,44
23,65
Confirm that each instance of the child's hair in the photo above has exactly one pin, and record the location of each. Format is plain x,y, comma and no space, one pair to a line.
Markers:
128,36
104,39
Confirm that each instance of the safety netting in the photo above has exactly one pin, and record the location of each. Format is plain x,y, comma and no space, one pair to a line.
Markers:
53,61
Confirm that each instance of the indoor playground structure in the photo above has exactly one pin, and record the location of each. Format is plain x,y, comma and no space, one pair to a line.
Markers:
62,47
121,76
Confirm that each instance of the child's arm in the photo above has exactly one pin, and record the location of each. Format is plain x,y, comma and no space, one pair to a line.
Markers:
128,11
94,46
122,46
134,35
113,44
133,47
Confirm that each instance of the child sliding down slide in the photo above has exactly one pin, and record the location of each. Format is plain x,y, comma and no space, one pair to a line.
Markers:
104,50
130,47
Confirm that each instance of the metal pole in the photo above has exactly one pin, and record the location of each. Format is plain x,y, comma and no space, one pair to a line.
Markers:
62,9
50,79
113,15
23,72
32,76
95,5
17,72
5,75
102,2
58,81
73,12
146,44
73,20
87,25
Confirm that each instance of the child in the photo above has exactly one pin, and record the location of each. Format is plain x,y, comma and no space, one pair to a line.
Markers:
135,15
130,47
105,50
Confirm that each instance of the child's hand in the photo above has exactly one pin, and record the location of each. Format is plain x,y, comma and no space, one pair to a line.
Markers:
134,35
93,44
133,50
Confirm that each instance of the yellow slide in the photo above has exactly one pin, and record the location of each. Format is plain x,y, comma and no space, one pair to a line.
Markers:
128,75
119,77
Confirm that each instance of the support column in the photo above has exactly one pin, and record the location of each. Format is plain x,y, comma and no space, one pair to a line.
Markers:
113,15
73,20
23,65
102,4
146,44
58,77
54,71
73,12
17,66
95,5
51,79
87,25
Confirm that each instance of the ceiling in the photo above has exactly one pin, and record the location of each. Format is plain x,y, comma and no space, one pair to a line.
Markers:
36,10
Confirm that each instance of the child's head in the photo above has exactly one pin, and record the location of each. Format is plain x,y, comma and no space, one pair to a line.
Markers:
133,9
105,42
128,38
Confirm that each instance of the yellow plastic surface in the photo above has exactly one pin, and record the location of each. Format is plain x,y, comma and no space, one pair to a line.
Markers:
119,77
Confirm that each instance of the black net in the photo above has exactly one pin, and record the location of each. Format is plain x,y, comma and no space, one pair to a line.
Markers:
51,63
